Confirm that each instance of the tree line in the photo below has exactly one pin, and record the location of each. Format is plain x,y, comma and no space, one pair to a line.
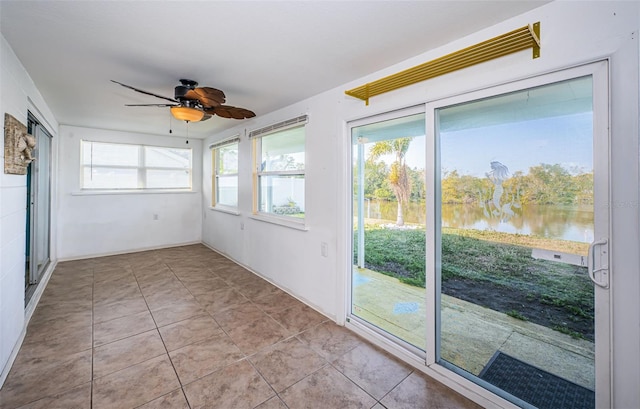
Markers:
543,185
498,192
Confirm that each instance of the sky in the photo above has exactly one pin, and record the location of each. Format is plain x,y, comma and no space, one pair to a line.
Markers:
566,140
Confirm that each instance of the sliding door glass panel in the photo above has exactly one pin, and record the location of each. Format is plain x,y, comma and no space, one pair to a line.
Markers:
388,275
42,204
516,206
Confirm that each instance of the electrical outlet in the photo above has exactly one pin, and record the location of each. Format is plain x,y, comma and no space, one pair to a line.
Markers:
155,216
324,249
241,225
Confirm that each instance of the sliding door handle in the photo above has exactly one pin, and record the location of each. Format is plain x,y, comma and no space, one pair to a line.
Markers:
603,263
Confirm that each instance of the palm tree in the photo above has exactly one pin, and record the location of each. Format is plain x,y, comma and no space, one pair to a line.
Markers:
398,176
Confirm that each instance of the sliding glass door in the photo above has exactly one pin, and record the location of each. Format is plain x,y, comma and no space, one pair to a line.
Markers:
38,208
388,274
480,236
517,234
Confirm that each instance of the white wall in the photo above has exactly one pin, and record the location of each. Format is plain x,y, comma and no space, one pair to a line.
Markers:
572,33
18,94
289,257
93,224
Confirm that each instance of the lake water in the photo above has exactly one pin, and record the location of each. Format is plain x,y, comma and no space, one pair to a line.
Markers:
571,223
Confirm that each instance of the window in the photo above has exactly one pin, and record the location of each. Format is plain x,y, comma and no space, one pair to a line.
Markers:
225,171
280,165
123,166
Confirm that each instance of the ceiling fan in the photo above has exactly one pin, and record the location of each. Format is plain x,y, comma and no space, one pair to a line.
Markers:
193,104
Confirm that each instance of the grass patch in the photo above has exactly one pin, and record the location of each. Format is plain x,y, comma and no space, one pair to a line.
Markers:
565,330
489,258
517,315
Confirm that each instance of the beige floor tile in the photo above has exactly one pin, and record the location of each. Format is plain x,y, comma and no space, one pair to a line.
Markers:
56,338
126,352
256,335
166,295
259,288
123,327
210,313
298,318
203,286
84,317
151,272
276,301
76,398
121,308
372,369
330,340
287,362
419,391
326,388
182,333
111,295
202,358
136,385
222,300
177,311
237,386
109,276
243,279
68,310
234,274
273,403
34,379
145,262
197,269
239,315
74,290
173,400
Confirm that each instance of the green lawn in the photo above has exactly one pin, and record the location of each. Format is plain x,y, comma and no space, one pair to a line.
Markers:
487,259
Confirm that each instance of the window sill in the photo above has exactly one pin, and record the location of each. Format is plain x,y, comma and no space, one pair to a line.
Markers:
230,211
280,221
131,192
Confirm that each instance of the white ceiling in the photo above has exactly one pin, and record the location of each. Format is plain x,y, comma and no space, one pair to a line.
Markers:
264,55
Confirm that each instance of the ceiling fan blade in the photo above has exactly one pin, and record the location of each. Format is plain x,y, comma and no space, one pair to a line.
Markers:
151,105
145,92
208,97
227,111
205,117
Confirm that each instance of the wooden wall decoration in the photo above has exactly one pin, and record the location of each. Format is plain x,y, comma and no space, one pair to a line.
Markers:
18,146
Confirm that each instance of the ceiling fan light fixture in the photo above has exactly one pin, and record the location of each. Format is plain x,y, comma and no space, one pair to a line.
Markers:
183,113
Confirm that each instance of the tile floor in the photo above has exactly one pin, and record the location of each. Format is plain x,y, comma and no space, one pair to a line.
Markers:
186,328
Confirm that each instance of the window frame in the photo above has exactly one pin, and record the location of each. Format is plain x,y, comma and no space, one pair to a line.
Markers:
141,169
215,160
256,137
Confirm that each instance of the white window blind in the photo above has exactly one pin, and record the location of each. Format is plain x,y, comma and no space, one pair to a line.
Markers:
114,166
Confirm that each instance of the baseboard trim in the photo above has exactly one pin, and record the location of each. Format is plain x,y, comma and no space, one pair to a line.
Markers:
129,251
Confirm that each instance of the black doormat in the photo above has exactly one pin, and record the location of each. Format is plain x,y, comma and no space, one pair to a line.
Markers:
535,386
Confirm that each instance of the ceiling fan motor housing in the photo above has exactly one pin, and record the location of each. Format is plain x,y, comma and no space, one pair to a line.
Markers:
181,92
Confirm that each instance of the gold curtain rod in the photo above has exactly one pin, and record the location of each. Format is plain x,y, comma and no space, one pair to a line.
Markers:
511,42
